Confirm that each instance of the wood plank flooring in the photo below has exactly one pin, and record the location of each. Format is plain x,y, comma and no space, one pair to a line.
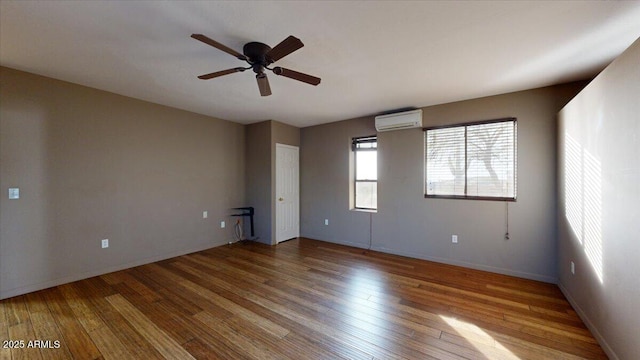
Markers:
302,299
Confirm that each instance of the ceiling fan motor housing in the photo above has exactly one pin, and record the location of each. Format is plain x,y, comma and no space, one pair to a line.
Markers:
257,54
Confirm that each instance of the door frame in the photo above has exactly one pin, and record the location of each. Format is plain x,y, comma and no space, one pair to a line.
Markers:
277,234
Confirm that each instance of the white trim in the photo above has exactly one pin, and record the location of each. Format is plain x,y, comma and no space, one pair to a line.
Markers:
415,255
594,330
345,243
278,236
287,146
493,269
89,274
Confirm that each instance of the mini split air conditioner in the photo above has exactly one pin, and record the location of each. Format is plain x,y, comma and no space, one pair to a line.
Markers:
399,121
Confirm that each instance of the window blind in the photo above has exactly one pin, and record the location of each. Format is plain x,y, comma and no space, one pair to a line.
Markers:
472,161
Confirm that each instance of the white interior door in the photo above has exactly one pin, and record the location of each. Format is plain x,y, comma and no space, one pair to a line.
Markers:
287,192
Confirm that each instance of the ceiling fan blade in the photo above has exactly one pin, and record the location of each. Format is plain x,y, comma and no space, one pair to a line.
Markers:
218,46
263,84
220,73
291,74
286,47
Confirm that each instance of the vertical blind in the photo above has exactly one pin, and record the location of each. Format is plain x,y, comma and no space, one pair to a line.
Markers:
472,161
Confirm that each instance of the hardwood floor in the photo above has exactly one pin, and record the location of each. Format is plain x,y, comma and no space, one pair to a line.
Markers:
302,299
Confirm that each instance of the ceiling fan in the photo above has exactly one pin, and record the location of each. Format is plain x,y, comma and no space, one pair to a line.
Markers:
259,56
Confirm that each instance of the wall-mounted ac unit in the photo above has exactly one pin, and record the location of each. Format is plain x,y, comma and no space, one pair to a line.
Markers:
399,121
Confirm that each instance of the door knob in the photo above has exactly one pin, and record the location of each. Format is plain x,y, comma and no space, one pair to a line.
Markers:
280,199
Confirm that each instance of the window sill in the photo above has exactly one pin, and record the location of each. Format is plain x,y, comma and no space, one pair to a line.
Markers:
460,197
373,211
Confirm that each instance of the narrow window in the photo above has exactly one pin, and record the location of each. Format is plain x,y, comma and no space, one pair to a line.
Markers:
472,161
365,151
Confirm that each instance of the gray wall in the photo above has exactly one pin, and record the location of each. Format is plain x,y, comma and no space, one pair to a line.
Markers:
599,213
408,224
261,172
93,165
325,155
258,170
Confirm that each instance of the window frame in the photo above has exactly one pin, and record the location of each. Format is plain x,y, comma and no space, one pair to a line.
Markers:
465,126
354,149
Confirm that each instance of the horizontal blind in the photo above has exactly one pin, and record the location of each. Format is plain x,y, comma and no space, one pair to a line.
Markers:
474,160
490,160
364,143
445,156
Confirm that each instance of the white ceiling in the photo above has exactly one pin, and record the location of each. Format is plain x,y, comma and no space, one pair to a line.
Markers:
371,56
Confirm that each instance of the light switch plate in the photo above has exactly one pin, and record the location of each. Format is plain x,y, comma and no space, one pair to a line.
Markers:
222,224
14,193
105,243
205,214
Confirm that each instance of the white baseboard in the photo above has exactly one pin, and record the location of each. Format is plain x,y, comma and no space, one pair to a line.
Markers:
345,243
520,274
85,275
414,255
601,340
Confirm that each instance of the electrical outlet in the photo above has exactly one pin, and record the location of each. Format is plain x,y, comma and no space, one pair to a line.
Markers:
14,193
326,221
573,268
222,225
454,239
205,214
105,243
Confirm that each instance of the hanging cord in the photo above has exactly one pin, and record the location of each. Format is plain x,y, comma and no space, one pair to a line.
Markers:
238,232
506,214
370,230
364,252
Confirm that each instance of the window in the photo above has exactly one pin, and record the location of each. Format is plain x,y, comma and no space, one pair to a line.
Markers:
472,161
365,151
